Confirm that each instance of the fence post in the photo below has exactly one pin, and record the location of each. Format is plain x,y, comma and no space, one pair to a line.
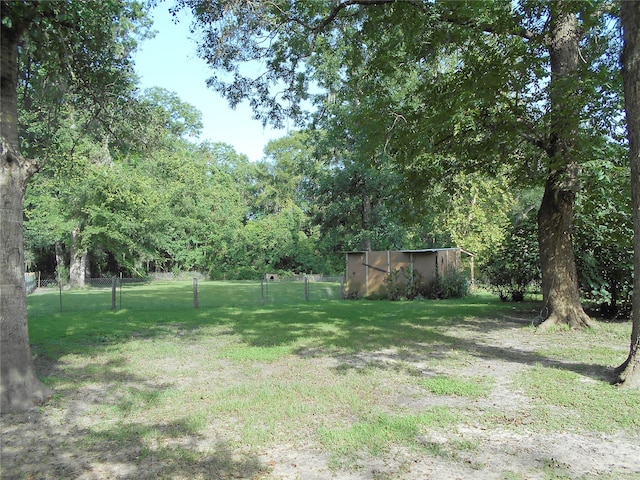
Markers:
195,293
113,293
60,289
306,288
262,290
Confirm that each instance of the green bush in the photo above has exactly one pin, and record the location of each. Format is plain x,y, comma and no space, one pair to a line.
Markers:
603,235
453,284
514,266
408,285
394,287
237,273
404,284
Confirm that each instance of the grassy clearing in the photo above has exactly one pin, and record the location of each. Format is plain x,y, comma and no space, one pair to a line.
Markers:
171,387
179,295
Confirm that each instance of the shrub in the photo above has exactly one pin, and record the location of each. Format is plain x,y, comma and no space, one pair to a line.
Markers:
603,235
453,284
394,288
237,273
404,284
514,266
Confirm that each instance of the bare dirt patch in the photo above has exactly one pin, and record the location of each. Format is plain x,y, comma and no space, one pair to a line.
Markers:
80,434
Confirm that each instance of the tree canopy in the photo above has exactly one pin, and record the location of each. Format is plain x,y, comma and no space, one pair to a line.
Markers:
441,88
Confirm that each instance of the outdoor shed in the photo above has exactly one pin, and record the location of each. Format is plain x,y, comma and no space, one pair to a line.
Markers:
368,272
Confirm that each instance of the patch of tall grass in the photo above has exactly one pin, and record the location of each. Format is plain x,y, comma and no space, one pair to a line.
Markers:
378,432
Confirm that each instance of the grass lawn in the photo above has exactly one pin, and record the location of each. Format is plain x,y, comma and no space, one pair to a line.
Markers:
334,389
179,295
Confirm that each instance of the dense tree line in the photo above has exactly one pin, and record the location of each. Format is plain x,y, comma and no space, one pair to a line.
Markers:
186,206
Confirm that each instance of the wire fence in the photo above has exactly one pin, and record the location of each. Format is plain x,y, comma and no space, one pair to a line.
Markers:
30,282
136,294
33,282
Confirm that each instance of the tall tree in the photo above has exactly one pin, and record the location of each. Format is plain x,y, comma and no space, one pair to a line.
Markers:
358,207
555,216
92,54
201,208
94,184
628,374
19,383
470,84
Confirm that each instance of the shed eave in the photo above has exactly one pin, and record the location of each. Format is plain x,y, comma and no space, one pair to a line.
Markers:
429,250
421,250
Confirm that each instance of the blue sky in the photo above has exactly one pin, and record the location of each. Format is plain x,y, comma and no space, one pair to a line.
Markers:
169,61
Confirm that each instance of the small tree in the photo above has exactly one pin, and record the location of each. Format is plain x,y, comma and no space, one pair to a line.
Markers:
515,264
604,233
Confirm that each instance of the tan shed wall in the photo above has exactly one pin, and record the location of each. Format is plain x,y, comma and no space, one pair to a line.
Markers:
367,272
356,274
401,262
378,266
448,260
425,265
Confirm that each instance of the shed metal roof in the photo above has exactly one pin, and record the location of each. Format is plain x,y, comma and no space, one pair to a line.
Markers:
423,250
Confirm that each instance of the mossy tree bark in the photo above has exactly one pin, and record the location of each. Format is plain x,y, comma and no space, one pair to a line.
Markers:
78,261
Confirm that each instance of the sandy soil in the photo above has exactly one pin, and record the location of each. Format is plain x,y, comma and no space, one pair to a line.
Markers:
51,444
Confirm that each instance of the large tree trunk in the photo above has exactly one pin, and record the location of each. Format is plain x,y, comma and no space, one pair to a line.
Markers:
20,387
557,261
555,217
59,259
628,374
78,262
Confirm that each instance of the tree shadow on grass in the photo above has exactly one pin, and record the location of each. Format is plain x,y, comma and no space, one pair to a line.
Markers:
352,331
95,431
358,334
58,442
